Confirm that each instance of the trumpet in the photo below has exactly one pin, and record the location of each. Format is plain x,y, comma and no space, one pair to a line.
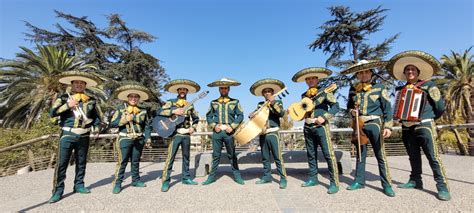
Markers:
78,112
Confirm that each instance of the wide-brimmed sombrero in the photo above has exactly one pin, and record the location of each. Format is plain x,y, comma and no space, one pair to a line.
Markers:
224,82
364,65
69,76
132,88
319,72
174,85
257,87
426,64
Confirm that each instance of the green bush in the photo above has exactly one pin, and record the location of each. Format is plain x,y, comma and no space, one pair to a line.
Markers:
12,136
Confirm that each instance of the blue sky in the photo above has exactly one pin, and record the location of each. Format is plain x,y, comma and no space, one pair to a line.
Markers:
246,40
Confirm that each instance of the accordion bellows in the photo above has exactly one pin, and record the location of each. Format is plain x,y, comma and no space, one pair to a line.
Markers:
409,104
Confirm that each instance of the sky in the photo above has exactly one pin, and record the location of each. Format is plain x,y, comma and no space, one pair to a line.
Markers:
246,40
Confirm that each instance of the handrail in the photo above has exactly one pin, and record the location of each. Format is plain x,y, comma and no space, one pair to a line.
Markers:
334,130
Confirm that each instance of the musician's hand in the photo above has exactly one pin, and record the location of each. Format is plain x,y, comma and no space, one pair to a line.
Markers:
191,131
148,144
129,117
387,133
179,111
271,99
217,128
95,131
229,129
320,120
72,103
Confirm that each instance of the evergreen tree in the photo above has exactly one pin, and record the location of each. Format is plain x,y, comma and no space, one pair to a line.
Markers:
345,37
119,60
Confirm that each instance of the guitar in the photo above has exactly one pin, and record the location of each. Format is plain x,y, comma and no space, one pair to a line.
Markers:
298,110
165,126
253,127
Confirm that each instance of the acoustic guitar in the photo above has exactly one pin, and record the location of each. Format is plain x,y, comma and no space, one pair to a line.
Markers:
299,110
253,127
165,126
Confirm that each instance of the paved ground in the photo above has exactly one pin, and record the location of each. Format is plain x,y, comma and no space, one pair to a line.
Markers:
30,192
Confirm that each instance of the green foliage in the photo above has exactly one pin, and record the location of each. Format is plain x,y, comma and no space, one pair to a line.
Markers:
29,84
447,137
456,86
458,83
115,49
12,136
346,35
352,29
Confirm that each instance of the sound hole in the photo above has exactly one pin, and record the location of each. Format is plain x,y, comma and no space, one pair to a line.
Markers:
304,106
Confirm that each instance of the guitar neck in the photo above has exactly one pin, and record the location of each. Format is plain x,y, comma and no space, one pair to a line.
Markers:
274,95
322,92
190,103
317,95
201,96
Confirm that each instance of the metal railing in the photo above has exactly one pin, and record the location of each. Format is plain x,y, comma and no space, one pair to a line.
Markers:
292,140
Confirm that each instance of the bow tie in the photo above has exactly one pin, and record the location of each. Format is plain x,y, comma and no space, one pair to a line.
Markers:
223,100
133,110
80,97
181,103
363,87
312,92
410,86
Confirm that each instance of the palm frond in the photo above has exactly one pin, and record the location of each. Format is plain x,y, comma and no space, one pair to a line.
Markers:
30,83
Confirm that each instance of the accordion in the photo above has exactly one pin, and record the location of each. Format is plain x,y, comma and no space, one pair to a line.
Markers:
409,104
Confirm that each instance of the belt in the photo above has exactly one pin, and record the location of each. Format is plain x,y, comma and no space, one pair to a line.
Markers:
274,129
366,118
412,123
131,135
223,127
79,131
182,131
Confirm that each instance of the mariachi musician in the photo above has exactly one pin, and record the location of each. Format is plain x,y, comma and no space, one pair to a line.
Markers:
416,68
370,100
224,116
270,138
182,135
316,127
79,113
134,130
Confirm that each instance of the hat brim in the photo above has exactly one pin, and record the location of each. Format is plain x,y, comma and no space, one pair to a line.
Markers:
426,64
425,69
123,95
274,84
361,67
174,85
223,84
174,88
258,89
318,72
68,80
124,91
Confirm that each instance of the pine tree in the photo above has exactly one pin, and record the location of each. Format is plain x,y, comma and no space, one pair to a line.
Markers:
345,37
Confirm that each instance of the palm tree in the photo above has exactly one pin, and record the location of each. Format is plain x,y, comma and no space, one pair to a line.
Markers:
28,85
458,83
